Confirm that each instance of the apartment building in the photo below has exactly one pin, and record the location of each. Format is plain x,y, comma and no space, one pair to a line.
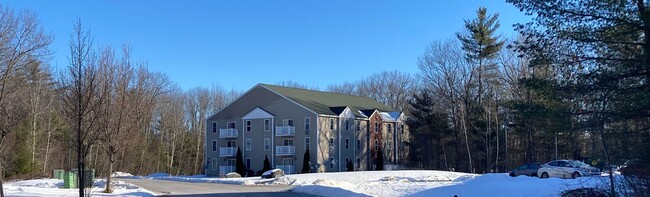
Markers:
282,123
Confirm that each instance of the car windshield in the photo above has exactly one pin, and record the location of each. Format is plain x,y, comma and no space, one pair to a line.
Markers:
578,163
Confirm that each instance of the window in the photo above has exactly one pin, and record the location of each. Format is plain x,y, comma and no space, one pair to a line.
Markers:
331,124
307,143
358,144
331,162
307,124
347,144
287,122
358,162
390,144
232,125
287,142
267,125
376,145
402,128
358,125
347,124
248,163
376,127
390,128
267,143
347,159
214,145
215,164
249,125
232,143
331,142
248,144
214,127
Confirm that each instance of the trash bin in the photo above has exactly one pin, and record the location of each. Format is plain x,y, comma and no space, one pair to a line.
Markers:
58,173
69,180
89,177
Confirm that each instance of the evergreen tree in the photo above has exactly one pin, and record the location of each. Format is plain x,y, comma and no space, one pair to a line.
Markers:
432,130
306,163
380,160
240,168
267,164
349,166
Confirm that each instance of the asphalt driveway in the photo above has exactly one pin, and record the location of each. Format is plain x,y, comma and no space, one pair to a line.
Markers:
177,188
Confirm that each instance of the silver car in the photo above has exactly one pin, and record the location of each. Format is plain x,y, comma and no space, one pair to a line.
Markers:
567,169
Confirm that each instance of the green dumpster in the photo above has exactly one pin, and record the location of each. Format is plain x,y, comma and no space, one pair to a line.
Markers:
89,177
58,174
69,180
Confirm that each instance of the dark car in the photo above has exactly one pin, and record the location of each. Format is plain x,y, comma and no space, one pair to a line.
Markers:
529,169
635,168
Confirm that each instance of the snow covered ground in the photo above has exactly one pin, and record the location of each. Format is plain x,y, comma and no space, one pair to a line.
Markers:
54,187
409,183
364,183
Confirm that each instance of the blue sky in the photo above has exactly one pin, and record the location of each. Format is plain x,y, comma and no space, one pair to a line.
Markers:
237,44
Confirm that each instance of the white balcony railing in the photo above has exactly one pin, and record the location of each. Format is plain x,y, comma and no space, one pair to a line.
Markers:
285,150
285,131
227,151
226,169
288,169
228,133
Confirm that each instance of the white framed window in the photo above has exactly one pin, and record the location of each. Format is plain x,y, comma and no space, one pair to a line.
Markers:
248,163
307,123
249,125
347,124
331,124
214,164
347,143
267,125
232,143
287,122
214,127
358,125
358,144
214,145
232,125
307,143
390,145
287,142
267,143
390,128
249,143
347,159
376,127
376,145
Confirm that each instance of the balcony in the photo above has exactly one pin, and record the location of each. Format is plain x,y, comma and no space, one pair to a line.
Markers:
285,150
223,170
285,131
227,151
288,169
228,133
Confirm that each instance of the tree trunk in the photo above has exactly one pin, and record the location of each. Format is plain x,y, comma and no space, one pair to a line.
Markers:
110,172
469,153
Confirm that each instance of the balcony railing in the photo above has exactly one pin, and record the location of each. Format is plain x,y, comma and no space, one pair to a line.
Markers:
227,151
285,150
226,169
288,169
285,131
228,133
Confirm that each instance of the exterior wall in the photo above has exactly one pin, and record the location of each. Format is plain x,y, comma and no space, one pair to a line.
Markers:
281,108
404,137
375,136
361,134
326,152
388,141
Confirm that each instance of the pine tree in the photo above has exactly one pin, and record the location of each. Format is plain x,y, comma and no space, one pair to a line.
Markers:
240,168
431,128
380,160
267,164
350,165
306,162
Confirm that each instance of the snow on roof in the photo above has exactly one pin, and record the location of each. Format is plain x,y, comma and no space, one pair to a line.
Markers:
387,117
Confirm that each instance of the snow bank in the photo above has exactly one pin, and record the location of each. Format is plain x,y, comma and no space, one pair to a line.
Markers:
53,187
121,174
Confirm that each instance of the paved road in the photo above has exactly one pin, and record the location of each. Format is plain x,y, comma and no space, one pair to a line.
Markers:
177,189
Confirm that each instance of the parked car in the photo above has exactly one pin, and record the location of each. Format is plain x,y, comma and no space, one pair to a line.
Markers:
567,169
635,168
529,169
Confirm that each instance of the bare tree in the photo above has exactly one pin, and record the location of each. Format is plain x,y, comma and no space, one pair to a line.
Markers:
22,42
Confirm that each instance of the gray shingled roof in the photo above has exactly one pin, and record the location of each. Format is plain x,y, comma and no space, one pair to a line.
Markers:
328,102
